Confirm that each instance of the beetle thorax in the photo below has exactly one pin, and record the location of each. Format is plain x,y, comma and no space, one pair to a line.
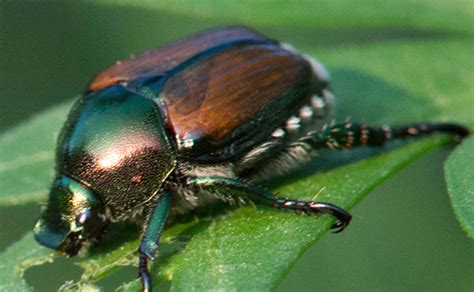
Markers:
115,143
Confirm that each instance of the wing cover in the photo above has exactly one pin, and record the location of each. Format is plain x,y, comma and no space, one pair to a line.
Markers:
221,106
157,61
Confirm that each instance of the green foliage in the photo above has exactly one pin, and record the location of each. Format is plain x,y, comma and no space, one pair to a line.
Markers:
345,14
460,179
391,63
19,257
26,160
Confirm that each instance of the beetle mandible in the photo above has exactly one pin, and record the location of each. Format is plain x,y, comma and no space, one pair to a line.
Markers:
195,122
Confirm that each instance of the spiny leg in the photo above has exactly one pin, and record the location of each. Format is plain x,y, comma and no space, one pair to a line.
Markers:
237,190
150,241
348,135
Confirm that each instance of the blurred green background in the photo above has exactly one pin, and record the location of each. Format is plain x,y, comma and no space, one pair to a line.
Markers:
404,235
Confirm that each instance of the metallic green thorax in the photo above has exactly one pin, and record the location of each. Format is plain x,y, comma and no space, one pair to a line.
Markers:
115,142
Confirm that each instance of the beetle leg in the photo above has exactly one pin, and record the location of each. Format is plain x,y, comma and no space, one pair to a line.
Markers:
236,189
150,241
348,135
343,136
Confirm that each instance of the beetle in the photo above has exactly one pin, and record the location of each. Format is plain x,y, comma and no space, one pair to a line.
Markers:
198,121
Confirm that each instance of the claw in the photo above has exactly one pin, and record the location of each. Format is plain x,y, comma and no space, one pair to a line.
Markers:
339,226
343,217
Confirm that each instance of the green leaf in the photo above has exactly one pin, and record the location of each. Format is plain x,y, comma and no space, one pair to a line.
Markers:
22,255
26,159
460,179
391,63
121,250
431,16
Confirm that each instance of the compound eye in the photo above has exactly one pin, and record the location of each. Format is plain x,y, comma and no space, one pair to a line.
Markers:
90,223
83,217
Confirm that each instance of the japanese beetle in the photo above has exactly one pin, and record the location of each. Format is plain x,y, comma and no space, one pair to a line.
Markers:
195,122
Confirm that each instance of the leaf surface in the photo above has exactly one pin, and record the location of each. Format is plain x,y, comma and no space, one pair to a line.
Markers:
390,63
17,259
460,179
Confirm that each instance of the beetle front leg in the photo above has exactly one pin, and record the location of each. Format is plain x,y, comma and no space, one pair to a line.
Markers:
236,190
150,241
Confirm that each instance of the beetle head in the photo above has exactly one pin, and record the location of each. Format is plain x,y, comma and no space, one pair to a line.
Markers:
73,216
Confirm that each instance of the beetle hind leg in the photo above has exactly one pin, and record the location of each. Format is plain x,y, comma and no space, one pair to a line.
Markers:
343,217
237,190
348,135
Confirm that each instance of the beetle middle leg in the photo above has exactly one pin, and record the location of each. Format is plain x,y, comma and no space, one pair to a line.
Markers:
150,241
234,189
